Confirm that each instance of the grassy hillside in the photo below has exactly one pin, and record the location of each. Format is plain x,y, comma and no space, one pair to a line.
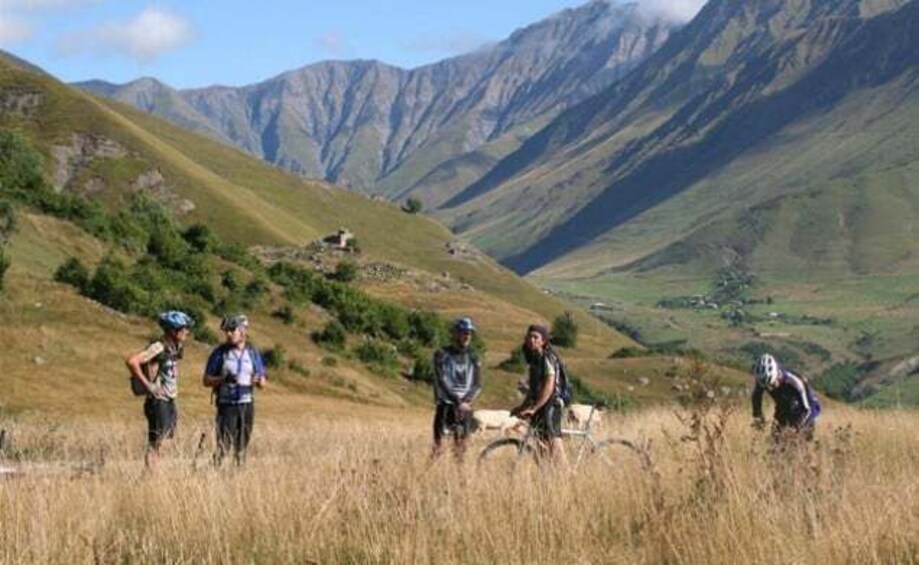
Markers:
113,149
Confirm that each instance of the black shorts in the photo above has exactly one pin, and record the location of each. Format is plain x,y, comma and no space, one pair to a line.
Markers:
161,419
234,426
448,419
547,423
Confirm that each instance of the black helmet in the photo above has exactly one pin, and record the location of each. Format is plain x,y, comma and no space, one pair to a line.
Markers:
233,322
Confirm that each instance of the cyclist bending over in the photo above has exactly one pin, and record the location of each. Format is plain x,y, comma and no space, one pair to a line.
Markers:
796,405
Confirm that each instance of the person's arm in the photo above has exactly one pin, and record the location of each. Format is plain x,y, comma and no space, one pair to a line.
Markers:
441,378
796,382
258,366
213,370
135,363
476,383
545,393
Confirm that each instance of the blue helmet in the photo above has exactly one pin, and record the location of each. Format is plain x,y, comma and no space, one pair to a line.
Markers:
463,325
174,320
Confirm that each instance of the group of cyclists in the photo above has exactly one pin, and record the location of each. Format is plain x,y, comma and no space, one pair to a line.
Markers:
235,368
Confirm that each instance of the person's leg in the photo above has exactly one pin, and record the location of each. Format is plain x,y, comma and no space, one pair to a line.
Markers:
151,455
224,429
462,427
161,422
246,414
554,424
439,423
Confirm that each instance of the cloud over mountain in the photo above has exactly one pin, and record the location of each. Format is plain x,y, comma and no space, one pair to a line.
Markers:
153,33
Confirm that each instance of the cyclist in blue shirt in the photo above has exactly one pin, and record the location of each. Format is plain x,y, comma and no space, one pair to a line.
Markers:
233,370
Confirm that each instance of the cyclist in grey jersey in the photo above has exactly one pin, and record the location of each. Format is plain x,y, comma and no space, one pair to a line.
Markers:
457,383
157,368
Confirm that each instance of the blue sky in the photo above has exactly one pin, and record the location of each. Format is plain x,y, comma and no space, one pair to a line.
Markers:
234,42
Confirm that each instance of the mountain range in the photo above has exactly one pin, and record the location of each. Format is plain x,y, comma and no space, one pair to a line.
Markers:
379,128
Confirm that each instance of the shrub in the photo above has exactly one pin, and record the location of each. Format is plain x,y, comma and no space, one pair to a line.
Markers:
201,238
74,273
297,367
839,380
285,314
4,265
515,363
346,271
332,336
20,165
111,286
565,330
377,353
427,327
423,369
7,221
412,206
274,358
353,246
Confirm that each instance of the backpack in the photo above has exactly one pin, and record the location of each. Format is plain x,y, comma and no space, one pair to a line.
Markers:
149,369
563,386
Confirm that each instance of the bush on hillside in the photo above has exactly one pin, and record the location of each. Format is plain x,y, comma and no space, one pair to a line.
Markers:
20,165
4,265
7,221
346,271
332,336
274,358
378,354
285,314
201,238
515,363
413,206
74,273
423,369
565,330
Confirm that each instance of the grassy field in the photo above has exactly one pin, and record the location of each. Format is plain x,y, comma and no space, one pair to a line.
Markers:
337,484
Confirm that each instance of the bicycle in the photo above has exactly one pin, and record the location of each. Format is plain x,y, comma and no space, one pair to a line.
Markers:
611,452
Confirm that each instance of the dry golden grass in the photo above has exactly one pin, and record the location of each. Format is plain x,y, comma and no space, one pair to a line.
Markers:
360,489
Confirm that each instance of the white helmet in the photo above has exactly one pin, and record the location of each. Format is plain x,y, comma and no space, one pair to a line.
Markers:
767,371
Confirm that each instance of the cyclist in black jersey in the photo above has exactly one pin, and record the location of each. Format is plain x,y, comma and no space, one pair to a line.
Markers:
543,404
457,383
796,405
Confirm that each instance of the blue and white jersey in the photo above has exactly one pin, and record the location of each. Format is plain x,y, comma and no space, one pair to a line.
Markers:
245,364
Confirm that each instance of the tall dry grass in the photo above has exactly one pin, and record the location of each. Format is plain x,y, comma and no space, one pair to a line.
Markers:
361,491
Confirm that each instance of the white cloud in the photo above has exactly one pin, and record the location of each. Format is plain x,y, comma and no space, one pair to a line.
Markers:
13,30
677,10
334,43
154,32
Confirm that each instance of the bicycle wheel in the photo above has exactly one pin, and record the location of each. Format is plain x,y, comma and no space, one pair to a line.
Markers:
620,454
507,454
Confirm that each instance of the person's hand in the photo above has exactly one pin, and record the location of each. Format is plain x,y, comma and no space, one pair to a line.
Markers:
465,407
526,414
156,392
